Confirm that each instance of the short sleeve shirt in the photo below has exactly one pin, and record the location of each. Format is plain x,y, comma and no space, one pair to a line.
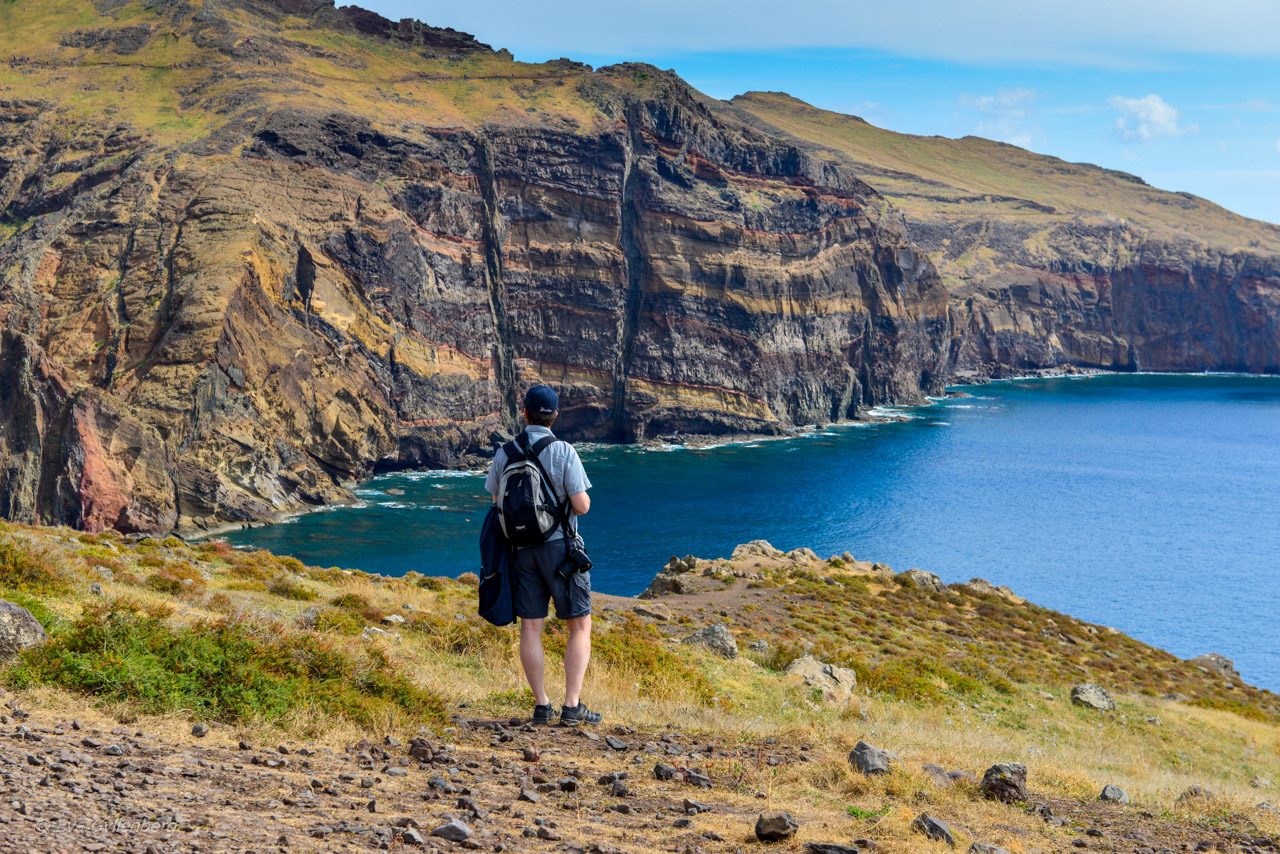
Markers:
563,466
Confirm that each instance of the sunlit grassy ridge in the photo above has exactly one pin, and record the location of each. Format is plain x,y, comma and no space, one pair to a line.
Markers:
177,89
936,178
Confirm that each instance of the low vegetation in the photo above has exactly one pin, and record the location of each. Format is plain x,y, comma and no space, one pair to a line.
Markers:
170,631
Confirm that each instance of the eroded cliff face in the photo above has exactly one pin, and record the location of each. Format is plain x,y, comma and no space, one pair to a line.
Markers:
245,322
1111,296
1054,264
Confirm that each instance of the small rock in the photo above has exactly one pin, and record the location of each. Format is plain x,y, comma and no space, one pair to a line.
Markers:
938,775
933,828
922,580
1217,664
615,742
1260,783
1005,782
200,730
393,620
454,831
654,611
410,836
693,807
775,826
531,754
1114,794
716,638
1092,696
870,760
984,848
663,771
529,795
1192,795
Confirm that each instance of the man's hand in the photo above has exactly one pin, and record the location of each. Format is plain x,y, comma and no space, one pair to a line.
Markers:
581,503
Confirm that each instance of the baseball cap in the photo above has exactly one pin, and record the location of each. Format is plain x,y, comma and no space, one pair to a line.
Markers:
541,399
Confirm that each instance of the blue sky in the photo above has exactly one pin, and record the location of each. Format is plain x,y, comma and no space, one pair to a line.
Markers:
1184,94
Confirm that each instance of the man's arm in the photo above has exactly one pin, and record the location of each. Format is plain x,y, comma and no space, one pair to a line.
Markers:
576,483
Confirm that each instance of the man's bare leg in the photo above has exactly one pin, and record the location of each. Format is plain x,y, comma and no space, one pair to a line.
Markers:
531,658
577,653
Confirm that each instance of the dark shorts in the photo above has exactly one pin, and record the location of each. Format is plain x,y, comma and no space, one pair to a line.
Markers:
536,582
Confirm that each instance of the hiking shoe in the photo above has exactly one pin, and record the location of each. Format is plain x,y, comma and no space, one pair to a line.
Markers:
544,714
579,714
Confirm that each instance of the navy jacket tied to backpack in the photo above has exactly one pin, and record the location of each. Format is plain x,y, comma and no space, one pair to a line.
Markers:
497,603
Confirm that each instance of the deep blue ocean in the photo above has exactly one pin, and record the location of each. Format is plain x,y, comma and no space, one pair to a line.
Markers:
1144,502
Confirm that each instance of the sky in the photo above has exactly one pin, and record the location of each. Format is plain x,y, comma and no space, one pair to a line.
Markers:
1183,93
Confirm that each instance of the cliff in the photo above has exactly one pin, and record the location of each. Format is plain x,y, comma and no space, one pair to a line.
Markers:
252,251
239,700
1052,263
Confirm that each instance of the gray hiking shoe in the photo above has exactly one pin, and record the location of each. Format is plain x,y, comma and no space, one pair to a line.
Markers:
544,714
579,714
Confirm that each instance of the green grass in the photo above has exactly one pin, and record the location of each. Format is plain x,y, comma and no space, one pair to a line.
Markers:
227,671
27,567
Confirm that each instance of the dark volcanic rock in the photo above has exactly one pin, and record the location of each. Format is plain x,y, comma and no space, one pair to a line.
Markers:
775,826
933,828
1005,782
870,760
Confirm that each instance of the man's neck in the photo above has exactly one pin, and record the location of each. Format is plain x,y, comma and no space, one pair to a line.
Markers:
537,430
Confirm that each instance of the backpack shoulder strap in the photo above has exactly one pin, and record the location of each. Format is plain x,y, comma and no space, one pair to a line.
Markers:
542,444
513,453
533,455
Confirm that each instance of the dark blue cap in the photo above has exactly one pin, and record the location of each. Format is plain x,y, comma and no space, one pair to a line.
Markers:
541,399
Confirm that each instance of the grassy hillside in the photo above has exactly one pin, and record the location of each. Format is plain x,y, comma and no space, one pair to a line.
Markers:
933,177
162,632
176,85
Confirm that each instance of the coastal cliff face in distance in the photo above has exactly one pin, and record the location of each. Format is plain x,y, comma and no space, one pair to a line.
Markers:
251,252
1052,263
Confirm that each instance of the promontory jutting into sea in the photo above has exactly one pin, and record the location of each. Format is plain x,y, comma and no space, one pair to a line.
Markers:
861,435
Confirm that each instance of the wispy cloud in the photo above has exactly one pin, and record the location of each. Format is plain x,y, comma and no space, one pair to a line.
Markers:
1005,116
1147,118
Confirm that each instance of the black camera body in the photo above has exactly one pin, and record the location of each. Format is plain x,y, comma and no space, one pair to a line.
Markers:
575,558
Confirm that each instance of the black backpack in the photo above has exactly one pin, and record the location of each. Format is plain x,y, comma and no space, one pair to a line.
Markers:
527,504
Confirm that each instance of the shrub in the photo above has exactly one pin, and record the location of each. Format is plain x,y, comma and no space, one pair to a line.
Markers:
290,589
30,568
177,579
339,621
633,650
357,604
225,671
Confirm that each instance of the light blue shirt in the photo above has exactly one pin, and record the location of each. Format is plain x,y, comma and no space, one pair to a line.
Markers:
562,464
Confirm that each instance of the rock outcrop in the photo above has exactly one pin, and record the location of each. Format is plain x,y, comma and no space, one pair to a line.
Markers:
18,630
284,282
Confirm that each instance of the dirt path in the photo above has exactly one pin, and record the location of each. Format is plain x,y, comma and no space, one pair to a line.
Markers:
65,786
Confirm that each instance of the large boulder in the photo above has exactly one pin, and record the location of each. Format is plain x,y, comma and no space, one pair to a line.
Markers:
1005,782
870,760
716,638
18,630
836,683
1092,696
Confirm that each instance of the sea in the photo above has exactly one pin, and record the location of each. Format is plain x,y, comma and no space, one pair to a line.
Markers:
1145,502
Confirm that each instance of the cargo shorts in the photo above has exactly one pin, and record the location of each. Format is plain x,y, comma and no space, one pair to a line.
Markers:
536,582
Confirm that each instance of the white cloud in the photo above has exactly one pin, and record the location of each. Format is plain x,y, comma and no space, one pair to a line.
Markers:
1005,115
1148,118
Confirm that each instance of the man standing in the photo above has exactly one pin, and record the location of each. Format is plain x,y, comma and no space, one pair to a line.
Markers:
540,571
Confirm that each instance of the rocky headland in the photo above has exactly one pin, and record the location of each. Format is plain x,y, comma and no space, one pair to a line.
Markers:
168,697
252,251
